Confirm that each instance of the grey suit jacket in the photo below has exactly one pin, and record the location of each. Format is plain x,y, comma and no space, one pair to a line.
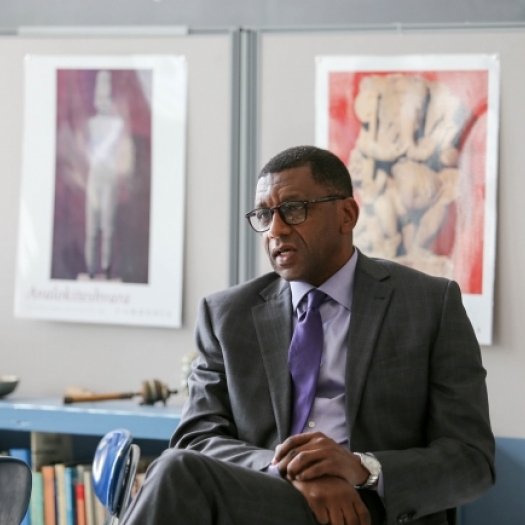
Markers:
415,385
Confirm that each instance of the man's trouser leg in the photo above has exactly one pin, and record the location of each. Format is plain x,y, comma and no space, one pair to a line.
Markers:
187,488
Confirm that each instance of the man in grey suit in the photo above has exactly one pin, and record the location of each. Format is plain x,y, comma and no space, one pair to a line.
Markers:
398,431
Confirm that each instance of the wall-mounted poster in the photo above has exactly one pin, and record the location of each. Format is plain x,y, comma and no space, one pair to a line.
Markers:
102,199
419,135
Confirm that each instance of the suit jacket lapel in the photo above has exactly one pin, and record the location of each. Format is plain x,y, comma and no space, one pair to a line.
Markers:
273,324
370,300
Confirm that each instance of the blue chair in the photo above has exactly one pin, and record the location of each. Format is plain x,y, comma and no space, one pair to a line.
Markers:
114,470
15,490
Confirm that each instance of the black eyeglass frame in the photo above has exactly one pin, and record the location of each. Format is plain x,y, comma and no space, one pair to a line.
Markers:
288,203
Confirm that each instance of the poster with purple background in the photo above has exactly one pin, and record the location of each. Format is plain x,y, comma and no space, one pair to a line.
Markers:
102,200
103,175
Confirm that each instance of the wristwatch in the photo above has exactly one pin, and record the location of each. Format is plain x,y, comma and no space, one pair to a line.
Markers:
370,463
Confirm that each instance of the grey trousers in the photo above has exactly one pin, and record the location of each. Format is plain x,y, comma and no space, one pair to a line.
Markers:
185,487
188,488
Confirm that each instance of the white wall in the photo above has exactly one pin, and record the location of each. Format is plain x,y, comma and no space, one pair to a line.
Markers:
287,119
49,356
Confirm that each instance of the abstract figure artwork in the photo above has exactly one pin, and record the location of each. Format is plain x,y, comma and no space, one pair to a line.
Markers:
418,135
103,175
107,136
102,199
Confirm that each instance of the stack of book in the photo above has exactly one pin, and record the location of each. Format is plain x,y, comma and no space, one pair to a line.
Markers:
62,491
63,495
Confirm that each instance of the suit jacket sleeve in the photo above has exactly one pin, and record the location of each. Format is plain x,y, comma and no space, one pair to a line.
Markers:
457,464
218,418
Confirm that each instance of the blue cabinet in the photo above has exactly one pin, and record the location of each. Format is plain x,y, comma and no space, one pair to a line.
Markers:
93,419
150,426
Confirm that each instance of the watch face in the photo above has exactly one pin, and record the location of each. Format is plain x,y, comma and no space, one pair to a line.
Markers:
371,464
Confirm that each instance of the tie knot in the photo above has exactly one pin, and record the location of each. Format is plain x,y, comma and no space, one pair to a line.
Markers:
315,298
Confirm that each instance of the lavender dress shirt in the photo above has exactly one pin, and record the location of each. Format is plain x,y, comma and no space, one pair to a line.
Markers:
328,411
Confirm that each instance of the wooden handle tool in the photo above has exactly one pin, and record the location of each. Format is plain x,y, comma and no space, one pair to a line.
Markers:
151,392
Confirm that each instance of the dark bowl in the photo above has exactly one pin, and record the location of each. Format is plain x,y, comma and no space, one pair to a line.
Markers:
7,384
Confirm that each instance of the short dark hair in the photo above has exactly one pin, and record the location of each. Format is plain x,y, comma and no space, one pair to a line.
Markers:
327,169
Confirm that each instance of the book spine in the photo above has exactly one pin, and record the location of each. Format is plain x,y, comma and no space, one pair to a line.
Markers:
70,479
100,512
48,477
88,498
60,495
37,500
80,504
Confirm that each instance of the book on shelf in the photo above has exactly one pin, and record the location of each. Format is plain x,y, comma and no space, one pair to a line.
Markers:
63,491
72,478
60,493
68,495
48,450
48,477
80,504
100,512
70,483
89,496
80,493
36,505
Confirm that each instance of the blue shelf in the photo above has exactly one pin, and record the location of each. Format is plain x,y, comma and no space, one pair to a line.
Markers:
89,419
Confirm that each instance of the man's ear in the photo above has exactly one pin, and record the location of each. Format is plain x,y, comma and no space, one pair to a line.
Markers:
350,211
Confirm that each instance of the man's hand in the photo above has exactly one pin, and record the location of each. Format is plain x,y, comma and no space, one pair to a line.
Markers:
305,457
334,501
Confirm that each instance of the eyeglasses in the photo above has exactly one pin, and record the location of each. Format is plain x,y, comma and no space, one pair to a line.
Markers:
292,213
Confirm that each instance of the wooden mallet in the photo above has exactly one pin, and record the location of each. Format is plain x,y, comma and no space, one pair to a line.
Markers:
151,392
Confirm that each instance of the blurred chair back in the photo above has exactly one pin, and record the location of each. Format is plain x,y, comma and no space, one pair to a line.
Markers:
114,469
15,490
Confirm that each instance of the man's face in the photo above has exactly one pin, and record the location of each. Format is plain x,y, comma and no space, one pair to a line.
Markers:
317,248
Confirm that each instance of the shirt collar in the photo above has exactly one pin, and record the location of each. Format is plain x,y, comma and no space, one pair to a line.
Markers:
339,287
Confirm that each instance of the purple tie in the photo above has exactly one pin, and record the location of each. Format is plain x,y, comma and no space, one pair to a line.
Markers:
304,360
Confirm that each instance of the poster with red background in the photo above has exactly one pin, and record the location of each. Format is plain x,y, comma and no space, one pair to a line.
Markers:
419,136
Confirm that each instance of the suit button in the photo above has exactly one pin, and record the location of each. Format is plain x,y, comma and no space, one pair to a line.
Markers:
405,518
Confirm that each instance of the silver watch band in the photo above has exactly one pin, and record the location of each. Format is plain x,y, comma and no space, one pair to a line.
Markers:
370,463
